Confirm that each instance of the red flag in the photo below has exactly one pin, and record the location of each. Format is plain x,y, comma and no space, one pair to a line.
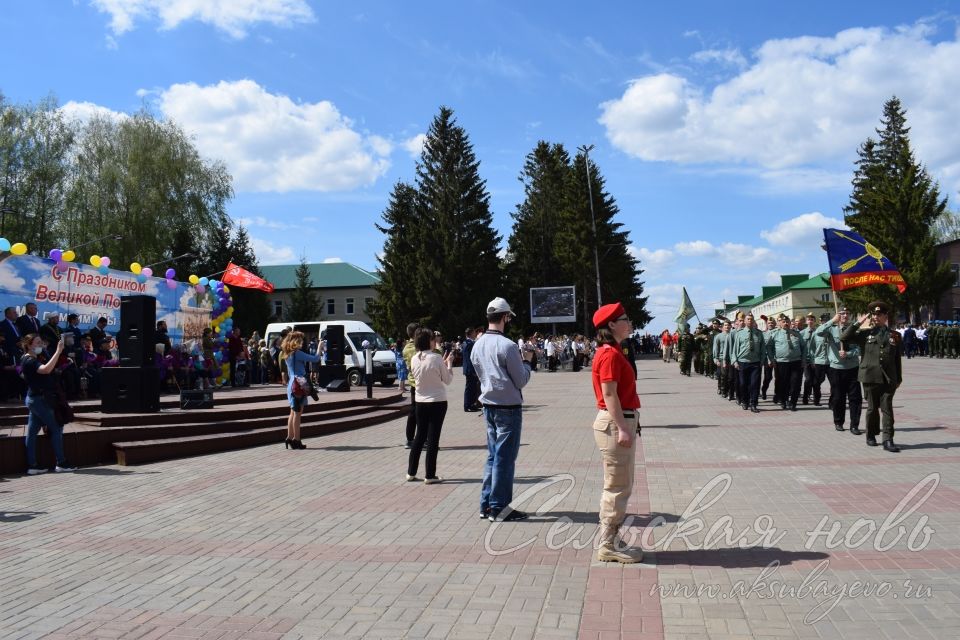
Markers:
239,277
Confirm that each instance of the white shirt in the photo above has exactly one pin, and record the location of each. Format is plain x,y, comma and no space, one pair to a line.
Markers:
551,349
431,375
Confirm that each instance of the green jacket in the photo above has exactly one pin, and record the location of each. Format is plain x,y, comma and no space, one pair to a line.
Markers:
815,347
723,347
749,345
880,346
785,345
831,337
408,352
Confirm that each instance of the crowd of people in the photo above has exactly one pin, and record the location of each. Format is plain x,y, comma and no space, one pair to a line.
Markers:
858,358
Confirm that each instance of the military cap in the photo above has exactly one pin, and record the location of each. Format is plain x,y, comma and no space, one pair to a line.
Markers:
878,306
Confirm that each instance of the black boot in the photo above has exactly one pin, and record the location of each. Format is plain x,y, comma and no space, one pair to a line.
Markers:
856,431
838,427
889,446
871,441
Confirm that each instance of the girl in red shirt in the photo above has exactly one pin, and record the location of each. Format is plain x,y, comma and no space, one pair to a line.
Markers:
615,429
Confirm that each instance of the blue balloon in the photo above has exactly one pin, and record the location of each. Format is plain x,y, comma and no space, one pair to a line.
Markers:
103,269
4,244
141,278
204,281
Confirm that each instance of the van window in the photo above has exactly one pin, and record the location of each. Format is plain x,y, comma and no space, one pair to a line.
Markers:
376,342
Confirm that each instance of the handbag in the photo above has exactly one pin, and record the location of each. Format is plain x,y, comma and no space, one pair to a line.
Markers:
303,386
62,411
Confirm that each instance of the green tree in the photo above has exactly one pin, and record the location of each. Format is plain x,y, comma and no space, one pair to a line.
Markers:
532,259
619,270
396,304
303,301
896,205
251,307
458,268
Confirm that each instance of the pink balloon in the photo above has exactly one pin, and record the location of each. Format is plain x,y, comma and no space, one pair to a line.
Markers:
62,267
171,284
147,271
200,288
105,261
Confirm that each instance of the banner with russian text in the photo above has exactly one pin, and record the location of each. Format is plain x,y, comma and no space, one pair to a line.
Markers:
854,262
83,290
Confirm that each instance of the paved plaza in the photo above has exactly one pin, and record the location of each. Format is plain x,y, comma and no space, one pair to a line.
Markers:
330,542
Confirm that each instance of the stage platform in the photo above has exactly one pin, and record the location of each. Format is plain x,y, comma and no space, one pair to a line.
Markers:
243,417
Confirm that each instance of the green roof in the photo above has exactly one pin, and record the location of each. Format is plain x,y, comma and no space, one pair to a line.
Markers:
821,281
325,275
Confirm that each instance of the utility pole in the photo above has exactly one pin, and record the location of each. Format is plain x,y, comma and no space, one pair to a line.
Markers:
593,219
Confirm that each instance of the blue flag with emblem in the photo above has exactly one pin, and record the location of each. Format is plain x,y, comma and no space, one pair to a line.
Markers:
854,262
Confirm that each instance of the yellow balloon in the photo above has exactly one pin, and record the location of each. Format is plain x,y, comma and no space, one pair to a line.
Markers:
193,279
135,268
95,260
69,256
226,289
18,249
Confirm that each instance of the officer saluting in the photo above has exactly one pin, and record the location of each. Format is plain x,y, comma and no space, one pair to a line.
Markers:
880,370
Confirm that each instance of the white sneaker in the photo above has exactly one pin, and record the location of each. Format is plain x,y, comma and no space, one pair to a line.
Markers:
64,469
436,480
411,478
35,471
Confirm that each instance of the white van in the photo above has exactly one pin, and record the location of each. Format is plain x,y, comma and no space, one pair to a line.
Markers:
354,333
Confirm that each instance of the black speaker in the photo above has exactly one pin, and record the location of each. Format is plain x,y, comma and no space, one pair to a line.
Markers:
338,385
328,373
196,399
138,323
130,390
334,337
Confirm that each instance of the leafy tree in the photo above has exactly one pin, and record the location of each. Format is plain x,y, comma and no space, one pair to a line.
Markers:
532,259
458,267
303,301
896,205
396,304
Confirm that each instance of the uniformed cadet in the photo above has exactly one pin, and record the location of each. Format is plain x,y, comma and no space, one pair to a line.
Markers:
721,357
785,348
685,349
815,360
699,348
880,370
843,362
768,368
734,390
711,365
749,350
953,342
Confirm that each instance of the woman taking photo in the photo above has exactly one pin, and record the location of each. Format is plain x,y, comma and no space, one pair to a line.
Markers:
431,374
295,361
40,386
615,429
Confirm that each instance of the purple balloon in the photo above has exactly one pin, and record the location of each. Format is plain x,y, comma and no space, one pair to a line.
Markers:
56,255
170,274
62,266
199,288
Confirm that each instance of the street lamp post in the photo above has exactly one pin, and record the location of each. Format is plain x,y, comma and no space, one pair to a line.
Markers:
593,219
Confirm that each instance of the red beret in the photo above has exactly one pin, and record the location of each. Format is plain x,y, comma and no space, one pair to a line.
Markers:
608,313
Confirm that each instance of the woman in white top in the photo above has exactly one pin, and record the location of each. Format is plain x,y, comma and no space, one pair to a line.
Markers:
432,374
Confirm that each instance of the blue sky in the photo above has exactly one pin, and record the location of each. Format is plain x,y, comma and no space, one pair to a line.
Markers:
726,131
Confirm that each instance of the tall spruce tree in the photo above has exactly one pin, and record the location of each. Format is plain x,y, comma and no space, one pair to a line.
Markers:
532,259
458,270
304,306
896,206
619,270
396,303
251,307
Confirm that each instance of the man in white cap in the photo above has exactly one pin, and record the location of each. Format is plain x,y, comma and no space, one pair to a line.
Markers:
499,366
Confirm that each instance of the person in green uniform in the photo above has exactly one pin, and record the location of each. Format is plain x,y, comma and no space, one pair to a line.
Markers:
749,350
786,350
686,349
815,360
880,370
721,359
844,363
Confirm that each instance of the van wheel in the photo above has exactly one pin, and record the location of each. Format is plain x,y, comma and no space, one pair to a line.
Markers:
354,377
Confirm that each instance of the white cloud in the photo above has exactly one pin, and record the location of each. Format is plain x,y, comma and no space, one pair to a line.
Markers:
332,260
729,253
270,142
86,111
730,56
695,248
267,223
231,16
656,258
268,253
414,145
773,278
803,230
801,101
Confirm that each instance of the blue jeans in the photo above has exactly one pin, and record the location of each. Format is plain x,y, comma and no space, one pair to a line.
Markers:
503,444
41,413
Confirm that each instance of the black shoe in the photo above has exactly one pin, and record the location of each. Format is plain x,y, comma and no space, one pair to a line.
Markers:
871,441
889,446
793,407
806,401
746,407
485,513
839,427
783,405
298,444
856,431
763,396
409,444
816,403
287,443
513,516
754,410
